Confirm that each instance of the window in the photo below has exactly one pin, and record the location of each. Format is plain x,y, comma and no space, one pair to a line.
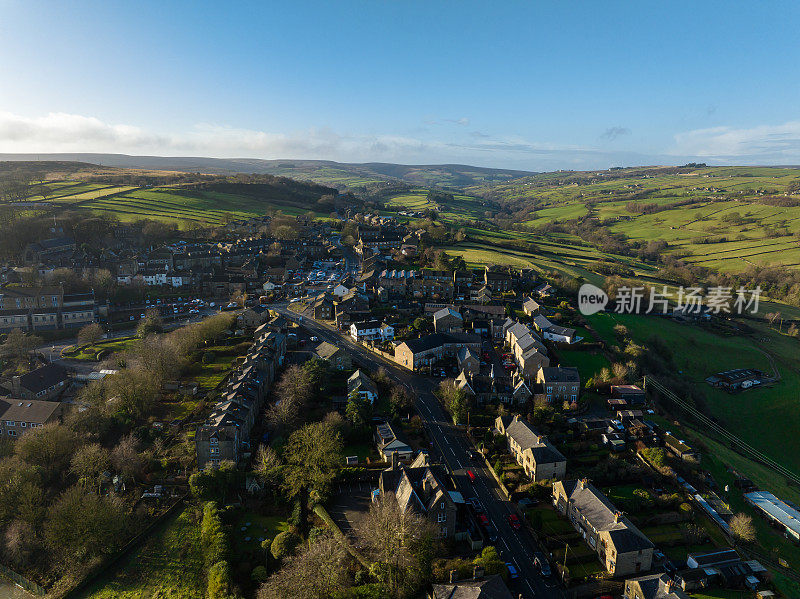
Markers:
9,423
12,433
441,517
214,450
214,441
23,424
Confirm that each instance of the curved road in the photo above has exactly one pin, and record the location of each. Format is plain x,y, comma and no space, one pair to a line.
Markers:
453,447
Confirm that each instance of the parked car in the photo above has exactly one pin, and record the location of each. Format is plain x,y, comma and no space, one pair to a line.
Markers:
512,571
471,475
491,533
540,561
314,338
483,519
513,521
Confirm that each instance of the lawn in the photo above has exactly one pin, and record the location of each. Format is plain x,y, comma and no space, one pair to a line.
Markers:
588,363
249,529
109,347
169,564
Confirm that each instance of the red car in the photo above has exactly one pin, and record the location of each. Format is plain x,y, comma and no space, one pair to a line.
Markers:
514,522
483,519
471,475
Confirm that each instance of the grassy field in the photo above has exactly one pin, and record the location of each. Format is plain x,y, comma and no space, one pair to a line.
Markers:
169,564
718,217
699,352
90,352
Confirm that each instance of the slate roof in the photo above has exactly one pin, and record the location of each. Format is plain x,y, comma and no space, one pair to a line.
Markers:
326,350
558,374
543,452
23,410
656,586
43,378
491,587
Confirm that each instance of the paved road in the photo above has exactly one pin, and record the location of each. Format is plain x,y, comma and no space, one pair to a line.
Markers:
451,445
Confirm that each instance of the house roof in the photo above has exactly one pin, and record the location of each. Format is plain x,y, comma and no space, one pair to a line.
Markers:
43,378
559,374
530,304
326,350
439,314
528,439
361,382
491,587
24,410
657,586
601,514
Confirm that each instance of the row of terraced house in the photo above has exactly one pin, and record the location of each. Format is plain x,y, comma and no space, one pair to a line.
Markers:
225,435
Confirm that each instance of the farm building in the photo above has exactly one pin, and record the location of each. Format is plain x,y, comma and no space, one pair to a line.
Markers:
738,379
779,512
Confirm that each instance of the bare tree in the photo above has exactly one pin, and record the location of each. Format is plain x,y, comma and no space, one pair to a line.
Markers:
742,528
400,542
90,334
317,573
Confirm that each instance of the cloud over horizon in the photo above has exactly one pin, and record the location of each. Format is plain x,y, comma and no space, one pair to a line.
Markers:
59,132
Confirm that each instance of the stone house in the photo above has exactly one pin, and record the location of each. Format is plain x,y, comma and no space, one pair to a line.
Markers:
540,459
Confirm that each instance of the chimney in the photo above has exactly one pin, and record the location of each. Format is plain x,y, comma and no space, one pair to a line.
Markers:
453,576
16,386
478,572
395,459
516,418
540,439
617,516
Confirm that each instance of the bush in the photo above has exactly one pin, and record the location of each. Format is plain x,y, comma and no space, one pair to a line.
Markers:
259,574
219,581
212,536
284,544
209,357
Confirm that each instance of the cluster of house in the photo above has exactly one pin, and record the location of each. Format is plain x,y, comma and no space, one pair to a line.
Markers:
31,400
724,568
225,435
44,308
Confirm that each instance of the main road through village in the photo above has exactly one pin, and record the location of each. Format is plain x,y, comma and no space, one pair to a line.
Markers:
453,447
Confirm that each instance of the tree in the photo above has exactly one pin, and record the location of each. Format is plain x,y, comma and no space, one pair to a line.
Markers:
313,455
90,334
134,391
150,324
400,401
89,462
489,560
20,539
81,526
126,457
319,572
49,447
455,400
358,410
742,528
400,542
18,345
268,466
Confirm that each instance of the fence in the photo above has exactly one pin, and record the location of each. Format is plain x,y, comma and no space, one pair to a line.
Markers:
112,560
21,581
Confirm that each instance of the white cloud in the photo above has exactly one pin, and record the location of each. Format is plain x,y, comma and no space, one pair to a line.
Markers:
767,143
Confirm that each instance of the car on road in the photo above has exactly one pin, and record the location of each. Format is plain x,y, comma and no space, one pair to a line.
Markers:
541,563
512,571
471,475
314,338
513,521
491,533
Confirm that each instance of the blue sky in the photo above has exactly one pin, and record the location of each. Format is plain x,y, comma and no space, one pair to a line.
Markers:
531,85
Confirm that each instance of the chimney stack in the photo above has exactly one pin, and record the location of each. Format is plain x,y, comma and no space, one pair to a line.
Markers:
617,516
453,576
478,572
395,459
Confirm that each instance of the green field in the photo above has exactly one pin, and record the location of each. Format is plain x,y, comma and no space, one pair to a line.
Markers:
169,564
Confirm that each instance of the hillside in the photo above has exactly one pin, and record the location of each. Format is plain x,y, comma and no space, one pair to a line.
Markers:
183,198
337,174
724,218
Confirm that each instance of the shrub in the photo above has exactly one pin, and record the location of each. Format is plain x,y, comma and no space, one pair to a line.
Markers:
219,581
209,357
284,544
259,574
